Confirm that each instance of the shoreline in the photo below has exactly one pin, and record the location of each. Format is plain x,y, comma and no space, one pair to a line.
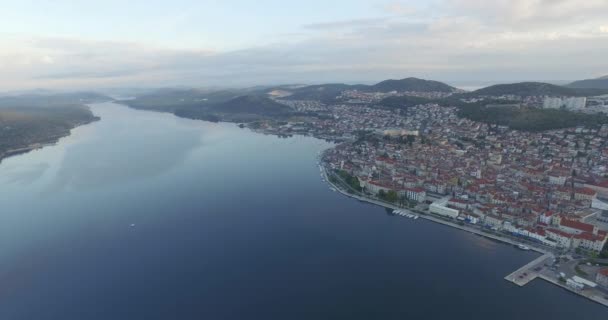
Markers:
519,277
49,141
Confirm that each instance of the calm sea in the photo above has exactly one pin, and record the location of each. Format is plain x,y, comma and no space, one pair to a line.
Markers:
230,224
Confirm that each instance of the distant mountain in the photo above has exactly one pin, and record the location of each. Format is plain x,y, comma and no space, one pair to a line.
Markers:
325,92
252,105
525,89
170,100
412,84
329,92
599,83
55,99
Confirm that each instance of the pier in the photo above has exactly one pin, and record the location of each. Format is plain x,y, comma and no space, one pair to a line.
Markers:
525,274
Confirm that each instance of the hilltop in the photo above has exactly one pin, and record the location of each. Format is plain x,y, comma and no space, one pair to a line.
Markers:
328,93
525,89
598,83
412,84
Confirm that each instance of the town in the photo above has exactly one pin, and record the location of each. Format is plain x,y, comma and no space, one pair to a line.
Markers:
547,189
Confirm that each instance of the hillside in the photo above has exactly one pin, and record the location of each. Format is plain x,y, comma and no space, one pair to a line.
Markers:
171,100
412,84
52,99
525,89
402,102
599,83
327,93
252,105
25,127
531,119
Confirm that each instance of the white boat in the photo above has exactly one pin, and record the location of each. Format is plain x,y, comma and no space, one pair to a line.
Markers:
132,225
416,217
523,247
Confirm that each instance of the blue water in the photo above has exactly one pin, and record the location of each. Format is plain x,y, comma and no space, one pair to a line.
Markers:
231,224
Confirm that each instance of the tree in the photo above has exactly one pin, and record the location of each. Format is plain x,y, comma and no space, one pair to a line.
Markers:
381,194
392,196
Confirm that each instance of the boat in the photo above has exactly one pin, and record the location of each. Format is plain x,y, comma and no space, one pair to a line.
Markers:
416,217
523,247
132,225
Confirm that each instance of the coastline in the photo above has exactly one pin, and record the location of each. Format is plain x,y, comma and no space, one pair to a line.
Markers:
519,277
48,141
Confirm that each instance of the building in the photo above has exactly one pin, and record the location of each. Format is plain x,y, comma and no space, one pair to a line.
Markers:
458,204
572,234
562,239
545,218
557,179
494,221
585,194
570,103
602,277
374,187
415,194
440,207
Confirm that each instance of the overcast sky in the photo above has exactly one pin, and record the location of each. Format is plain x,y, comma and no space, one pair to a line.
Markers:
88,44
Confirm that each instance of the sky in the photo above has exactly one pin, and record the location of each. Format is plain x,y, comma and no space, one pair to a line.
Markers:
233,43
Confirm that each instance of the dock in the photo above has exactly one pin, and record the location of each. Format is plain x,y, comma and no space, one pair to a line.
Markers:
525,274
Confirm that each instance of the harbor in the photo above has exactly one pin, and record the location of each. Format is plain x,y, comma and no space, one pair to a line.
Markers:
536,269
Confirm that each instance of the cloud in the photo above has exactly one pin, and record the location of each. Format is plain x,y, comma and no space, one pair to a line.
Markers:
399,8
345,24
447,39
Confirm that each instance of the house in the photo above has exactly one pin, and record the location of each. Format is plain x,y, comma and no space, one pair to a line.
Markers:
545,218
562,238
415,194
585,194
493,221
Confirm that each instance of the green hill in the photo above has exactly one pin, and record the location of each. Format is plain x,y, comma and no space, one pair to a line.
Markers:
252,105
599,83
411,84
525,89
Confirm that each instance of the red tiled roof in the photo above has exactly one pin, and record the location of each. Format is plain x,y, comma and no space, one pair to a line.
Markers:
588,236
604,272
560,233
577,225
587,191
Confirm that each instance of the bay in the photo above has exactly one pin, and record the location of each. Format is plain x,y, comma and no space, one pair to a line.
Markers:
231,224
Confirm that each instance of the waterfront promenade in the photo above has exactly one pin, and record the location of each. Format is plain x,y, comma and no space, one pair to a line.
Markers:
520,277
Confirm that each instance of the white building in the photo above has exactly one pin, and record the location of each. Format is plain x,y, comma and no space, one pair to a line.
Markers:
440,207
570,103
415,194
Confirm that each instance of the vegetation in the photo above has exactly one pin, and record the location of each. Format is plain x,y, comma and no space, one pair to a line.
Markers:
599,83
525,89
531,119
411,84
351,181
228,105
24,127
390,196
327,93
